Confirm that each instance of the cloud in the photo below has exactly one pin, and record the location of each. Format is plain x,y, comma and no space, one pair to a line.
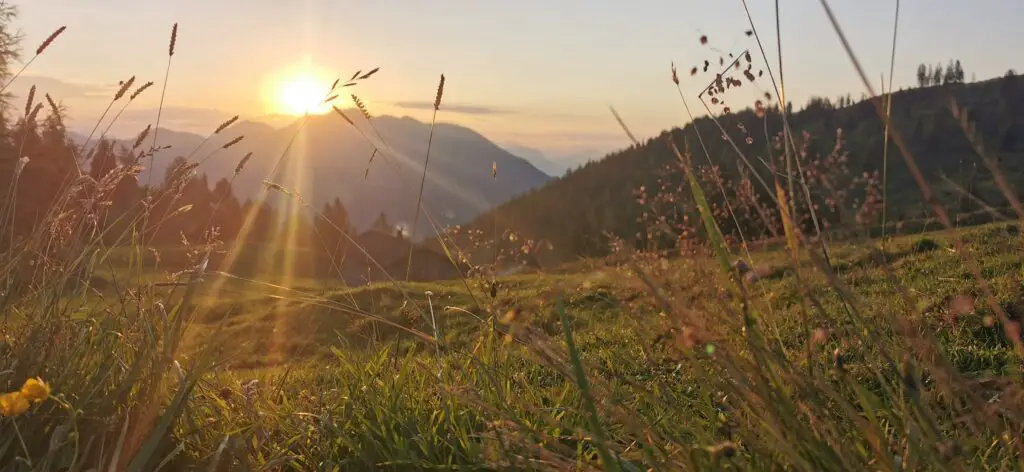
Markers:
176,118
190,116
61,89
86,101
464,109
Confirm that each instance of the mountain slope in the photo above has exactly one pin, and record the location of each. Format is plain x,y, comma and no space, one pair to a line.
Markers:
574,211
327,158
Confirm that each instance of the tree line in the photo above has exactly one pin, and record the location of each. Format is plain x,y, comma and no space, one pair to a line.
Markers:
952,73
39,171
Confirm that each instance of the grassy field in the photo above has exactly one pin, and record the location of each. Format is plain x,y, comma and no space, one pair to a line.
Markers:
907,370
313,320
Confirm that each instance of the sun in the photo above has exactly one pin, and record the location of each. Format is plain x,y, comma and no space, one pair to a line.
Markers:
302,94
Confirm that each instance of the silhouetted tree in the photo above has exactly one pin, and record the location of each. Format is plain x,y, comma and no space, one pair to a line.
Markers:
334,230
950,76
10,40
937,74
382,223
922,76
227,213
102,159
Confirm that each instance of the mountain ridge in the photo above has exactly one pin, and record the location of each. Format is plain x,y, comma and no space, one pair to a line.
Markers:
327,157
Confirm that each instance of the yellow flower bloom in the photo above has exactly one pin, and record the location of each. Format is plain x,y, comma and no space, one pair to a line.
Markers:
35,390
13,404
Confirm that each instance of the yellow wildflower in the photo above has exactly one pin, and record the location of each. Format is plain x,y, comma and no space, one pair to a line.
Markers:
13,404
35,390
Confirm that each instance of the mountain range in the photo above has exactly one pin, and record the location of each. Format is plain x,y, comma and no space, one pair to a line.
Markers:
374,166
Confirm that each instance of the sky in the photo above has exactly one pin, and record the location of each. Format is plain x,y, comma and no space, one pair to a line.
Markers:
534,73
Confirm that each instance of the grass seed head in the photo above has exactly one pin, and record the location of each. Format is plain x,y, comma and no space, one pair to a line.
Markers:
440,93
225,124
31,97
54,109
124,88
141,137
242,163
50,39
34,113
361,106
141,89
233,142
174,40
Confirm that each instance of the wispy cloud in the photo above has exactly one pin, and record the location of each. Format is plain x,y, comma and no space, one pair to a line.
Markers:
177,118
463,109
62,89
190,116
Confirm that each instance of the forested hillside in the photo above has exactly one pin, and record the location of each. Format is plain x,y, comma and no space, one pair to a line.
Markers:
840,146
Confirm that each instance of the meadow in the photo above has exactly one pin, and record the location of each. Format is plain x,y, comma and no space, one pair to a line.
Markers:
894,356
900,352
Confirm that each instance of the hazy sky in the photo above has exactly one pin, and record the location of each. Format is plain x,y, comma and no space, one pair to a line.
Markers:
538,73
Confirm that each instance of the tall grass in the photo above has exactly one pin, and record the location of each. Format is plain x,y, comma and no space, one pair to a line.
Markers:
843,357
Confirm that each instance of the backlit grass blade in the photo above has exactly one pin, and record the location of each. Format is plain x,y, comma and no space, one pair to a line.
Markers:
714,234
588,396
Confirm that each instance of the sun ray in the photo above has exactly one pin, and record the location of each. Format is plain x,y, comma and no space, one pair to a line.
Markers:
287,245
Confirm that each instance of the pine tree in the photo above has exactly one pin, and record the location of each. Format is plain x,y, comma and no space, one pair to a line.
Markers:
227,211
10,40
382,224
102,159
950,76
937,74
922,76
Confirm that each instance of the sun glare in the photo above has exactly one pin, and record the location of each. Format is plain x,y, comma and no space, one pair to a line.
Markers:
301,95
